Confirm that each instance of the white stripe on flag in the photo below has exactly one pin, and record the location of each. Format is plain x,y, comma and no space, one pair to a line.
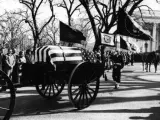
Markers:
72,51
73,58
35,56
40,54
65,51
57,59
55,51
45,55
53,47
65,47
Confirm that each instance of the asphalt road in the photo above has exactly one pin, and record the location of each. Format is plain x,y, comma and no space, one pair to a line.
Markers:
138,98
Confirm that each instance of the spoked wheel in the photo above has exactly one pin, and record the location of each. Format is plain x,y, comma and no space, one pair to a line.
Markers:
51,89
83,85
7,97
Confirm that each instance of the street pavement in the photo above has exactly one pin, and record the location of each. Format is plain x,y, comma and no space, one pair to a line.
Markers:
138,98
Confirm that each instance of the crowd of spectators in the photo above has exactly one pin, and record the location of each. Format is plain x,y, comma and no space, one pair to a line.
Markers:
11,63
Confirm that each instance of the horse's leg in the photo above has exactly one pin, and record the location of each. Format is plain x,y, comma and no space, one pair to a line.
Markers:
146,66
143,65
155,66
149,67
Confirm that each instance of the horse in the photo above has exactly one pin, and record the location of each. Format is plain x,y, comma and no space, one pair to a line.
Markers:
148,59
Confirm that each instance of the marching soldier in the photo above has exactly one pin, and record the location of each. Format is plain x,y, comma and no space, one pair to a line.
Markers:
132,58
118,64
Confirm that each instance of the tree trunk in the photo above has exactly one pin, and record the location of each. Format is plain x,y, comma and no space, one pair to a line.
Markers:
36,38
95,31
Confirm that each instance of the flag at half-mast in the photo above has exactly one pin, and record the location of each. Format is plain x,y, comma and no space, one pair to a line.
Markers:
69,34
127,26
108,39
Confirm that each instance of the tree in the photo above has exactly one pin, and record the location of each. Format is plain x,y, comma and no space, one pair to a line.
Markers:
12,29
82,24
34,7
107,13
50,33
71,7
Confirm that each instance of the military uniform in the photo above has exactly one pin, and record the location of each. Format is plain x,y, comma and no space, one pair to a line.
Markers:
118,64
132,58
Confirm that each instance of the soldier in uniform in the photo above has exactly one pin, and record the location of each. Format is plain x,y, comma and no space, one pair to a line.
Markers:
132,58
118,64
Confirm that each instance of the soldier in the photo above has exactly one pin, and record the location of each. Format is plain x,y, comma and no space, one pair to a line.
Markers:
1,59
118,64
132,58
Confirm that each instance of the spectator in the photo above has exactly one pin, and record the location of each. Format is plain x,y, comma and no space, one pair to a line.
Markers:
20,60
9,63
28,56
1,59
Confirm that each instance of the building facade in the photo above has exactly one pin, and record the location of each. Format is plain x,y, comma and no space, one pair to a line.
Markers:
150,23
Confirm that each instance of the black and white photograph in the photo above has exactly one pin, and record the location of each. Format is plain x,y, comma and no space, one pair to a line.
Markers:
79,59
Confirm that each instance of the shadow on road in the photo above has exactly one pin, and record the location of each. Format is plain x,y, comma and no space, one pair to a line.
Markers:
36,105
154,116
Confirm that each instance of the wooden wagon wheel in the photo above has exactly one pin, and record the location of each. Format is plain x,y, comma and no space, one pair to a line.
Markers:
83,85
50,90
7,96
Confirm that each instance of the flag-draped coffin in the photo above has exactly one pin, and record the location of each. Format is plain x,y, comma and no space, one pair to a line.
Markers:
58,54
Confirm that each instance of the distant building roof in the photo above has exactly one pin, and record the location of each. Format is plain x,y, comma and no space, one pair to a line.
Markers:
149,16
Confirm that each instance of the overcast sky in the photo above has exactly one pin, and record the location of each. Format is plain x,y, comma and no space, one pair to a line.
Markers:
152,4
14,4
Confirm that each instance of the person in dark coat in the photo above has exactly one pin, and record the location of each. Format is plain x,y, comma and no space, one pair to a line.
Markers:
1,59
156,61
118,64
28,56
132,58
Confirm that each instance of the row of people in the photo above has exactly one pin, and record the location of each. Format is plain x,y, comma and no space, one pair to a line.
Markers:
11,63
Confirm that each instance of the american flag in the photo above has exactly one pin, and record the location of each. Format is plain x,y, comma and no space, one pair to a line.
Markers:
89,56
58,55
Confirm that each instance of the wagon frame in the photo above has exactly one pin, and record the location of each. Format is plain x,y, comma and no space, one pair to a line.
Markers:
82,78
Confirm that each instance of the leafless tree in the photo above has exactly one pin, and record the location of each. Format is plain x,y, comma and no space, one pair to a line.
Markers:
34,7
107,13
12,29
82,24
71,6
50,33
